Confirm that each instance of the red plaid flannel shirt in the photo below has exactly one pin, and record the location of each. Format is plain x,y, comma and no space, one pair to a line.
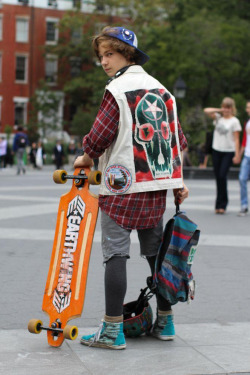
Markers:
130,211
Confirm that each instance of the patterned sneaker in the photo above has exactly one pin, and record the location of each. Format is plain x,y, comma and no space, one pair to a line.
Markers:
163,328
109,336
243,212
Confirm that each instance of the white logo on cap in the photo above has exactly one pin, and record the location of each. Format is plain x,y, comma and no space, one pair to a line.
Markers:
129,35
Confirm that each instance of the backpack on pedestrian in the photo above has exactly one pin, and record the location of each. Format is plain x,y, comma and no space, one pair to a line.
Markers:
173,278
21,141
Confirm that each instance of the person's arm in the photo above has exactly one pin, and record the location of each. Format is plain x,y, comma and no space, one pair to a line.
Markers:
27,140
211,112
205,161
43,153
181,194
238,151
103,132
83,161
242,150
14,147
243,144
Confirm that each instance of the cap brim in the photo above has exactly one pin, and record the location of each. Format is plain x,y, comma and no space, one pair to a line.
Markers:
142,57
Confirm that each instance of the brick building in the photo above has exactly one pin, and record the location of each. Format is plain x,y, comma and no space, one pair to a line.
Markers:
25,27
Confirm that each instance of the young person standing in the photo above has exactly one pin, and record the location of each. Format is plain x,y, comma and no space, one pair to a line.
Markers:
139,140
225,147
20,143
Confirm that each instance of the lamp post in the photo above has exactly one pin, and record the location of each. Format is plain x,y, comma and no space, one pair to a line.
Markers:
180,88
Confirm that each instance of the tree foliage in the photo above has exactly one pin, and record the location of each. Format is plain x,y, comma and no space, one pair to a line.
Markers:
207,43
44,116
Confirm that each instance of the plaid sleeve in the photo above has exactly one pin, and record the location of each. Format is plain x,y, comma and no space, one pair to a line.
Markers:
104,129
182,138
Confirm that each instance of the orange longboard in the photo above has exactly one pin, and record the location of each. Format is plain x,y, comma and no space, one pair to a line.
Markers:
66,283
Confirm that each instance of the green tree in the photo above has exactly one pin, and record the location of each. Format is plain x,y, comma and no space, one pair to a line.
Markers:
226,8
205,42
82,80
82,122
44,117
208,51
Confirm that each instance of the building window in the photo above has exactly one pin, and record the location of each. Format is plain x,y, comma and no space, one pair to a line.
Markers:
22,30
24,2
1,27
75,66
51,31
21,68
1,99
52,3
100,7
77,4
20,108
76,36
1,64
51,67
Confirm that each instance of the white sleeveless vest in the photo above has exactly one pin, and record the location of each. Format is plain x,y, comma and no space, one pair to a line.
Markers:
145,155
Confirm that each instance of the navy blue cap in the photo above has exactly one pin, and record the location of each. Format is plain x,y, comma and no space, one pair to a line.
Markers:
128,37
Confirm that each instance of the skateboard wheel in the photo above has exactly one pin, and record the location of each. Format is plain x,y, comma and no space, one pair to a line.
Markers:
70,332
34,326
94,177
59,176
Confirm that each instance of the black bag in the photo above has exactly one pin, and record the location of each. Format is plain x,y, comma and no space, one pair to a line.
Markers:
21,142
209,142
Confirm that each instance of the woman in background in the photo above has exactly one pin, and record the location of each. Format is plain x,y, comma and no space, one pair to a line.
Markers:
225,147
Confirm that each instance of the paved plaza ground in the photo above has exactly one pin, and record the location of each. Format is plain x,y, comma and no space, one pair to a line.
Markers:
212,333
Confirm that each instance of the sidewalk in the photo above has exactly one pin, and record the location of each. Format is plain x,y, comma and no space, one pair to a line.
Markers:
212,333
197,349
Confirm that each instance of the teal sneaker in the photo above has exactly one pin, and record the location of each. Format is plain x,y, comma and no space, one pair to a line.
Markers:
109,336
163,328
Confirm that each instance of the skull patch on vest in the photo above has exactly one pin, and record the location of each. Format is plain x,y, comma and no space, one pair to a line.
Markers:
153,133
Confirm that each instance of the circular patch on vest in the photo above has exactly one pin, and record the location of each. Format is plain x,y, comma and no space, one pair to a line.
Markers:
117,179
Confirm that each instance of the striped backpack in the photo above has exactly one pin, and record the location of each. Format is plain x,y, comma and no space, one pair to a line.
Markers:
173,278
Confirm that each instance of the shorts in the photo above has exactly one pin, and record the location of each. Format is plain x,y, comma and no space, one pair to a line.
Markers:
116,240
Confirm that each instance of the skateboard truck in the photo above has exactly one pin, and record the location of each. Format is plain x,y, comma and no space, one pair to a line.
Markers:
69,332
60,176
55,327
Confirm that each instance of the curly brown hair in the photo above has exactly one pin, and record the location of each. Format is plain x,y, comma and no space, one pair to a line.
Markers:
130,53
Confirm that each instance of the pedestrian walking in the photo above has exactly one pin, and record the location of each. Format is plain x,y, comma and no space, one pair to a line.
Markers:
58,154
3,152
225,147
19,146
32,154
40,155
244,174
138,140
71,152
